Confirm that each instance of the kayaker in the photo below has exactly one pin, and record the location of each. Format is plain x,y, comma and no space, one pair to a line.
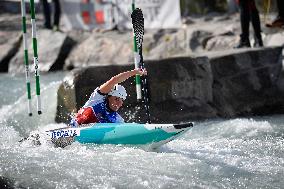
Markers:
105,101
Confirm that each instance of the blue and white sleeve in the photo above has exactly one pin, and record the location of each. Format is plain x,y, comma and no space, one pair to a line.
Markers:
95,98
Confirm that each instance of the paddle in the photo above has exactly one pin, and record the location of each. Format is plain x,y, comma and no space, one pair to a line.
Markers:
138,27
136,63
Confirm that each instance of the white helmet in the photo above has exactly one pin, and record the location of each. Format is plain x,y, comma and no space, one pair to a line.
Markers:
118,91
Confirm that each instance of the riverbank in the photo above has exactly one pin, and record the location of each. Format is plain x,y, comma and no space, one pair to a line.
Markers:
67,50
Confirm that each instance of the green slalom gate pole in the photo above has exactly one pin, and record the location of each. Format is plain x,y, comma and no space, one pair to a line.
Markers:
26,56
136,62
34,39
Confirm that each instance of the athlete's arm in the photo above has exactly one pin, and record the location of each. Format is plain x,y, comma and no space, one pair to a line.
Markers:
107,86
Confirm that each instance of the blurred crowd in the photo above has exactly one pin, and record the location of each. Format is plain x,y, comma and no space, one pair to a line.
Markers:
47,14
250,14
248,9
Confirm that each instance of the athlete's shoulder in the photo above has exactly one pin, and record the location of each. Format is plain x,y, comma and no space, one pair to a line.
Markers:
96,98
98,93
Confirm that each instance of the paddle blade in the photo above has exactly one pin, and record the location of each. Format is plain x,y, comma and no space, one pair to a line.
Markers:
138,25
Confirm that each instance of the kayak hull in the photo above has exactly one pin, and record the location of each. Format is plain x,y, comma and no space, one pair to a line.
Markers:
120,133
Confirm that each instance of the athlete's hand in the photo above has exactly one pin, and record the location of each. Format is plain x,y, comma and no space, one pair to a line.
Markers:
140,71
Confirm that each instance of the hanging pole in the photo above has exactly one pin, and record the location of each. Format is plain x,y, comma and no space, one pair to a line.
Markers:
34,39
136,62
26,56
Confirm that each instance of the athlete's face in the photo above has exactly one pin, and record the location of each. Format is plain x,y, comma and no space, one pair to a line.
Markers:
115,103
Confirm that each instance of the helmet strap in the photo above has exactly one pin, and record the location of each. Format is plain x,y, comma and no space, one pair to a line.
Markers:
107,104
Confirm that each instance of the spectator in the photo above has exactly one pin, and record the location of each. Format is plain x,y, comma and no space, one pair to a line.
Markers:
249,12
232,6
57,13
279,21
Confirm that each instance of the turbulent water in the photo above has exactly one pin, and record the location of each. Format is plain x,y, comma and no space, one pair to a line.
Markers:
236,153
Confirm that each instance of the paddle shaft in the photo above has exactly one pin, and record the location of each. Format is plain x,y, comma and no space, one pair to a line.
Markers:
145,88
136,62
138,27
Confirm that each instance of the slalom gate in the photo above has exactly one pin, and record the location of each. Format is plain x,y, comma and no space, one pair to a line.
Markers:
35,57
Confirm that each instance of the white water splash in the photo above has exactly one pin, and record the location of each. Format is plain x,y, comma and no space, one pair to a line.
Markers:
237,153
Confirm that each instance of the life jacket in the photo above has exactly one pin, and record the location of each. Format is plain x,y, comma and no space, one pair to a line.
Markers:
85,116
96,110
